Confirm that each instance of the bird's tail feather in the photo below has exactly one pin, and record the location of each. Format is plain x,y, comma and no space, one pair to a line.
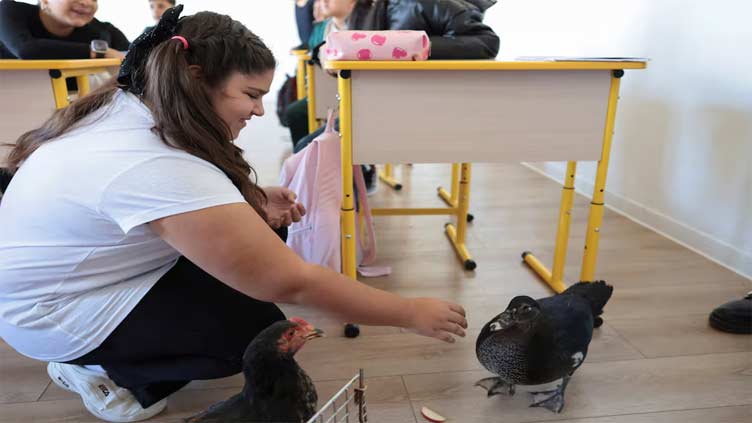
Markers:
597,293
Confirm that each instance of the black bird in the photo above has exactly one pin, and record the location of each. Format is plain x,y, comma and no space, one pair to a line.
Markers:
536,343
276,388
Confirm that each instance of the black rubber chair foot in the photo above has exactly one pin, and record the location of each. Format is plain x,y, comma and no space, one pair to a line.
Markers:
525,253
470,264
352,330
470,218
397,187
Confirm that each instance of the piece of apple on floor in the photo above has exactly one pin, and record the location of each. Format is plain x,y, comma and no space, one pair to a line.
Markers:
431,415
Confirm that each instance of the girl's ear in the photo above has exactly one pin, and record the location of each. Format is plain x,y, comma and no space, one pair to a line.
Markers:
196,71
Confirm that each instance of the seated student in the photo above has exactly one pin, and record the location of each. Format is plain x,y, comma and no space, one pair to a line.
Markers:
455,28
335,14
56,29
158,7
306,16
136,249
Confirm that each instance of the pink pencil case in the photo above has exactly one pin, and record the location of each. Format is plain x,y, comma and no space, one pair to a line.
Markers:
377,45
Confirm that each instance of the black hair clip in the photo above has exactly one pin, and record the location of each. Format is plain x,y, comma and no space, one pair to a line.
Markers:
130,78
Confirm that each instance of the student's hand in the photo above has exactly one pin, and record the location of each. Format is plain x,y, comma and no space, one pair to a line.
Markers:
437,319
282,209
110,54
114,54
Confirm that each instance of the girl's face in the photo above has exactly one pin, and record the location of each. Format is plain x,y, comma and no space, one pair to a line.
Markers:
240,98
158,7
337,8
75,13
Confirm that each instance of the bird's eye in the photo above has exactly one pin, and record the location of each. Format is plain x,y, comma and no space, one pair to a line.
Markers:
525,308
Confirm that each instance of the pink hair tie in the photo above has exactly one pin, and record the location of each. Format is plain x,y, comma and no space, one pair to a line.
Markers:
182,40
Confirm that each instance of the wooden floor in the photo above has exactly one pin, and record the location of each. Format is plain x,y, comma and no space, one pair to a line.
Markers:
654,360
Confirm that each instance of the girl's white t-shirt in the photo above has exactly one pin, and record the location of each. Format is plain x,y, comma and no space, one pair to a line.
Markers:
76,250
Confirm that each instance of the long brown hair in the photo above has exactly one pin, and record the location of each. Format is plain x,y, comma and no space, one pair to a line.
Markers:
181,104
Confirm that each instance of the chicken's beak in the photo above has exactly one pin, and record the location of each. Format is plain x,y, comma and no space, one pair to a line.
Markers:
314,333
505,321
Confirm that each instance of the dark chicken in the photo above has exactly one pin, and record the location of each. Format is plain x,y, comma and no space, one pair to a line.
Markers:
539,344
276,388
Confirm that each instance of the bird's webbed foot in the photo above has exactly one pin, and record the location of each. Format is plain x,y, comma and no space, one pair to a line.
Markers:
551,400
496,386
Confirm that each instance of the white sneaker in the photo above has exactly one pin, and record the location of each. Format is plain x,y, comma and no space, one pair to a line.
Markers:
101,396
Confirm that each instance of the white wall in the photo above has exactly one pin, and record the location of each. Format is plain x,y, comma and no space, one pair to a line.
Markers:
683,143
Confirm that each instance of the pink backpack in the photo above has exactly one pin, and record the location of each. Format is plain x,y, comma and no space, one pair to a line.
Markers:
377,45
314,174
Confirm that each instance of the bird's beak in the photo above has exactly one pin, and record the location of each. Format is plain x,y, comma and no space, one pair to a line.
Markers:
505,321
314,333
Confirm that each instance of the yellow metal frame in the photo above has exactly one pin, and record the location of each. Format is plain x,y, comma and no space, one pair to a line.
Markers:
459,198
387,176
455,234
587,271
478,65
16,64
302,57
62,69
311,90
60,88
451,197
347,222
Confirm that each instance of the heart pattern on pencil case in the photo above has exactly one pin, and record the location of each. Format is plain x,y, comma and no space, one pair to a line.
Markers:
399,53
378,40
364,54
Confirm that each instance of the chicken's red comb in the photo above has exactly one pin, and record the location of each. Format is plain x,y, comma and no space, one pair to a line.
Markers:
299,321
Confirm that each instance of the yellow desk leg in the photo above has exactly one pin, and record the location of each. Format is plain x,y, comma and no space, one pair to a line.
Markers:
555,278
457,235
596,205
82,81
300,77
60,91
387,176
348,204
450,198
311,89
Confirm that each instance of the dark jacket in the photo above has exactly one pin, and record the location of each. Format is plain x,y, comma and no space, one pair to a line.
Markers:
22,35
455,27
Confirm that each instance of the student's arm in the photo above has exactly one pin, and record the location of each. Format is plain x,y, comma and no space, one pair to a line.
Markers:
465,37
456,30
17,38
304,18
233,244
118,41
